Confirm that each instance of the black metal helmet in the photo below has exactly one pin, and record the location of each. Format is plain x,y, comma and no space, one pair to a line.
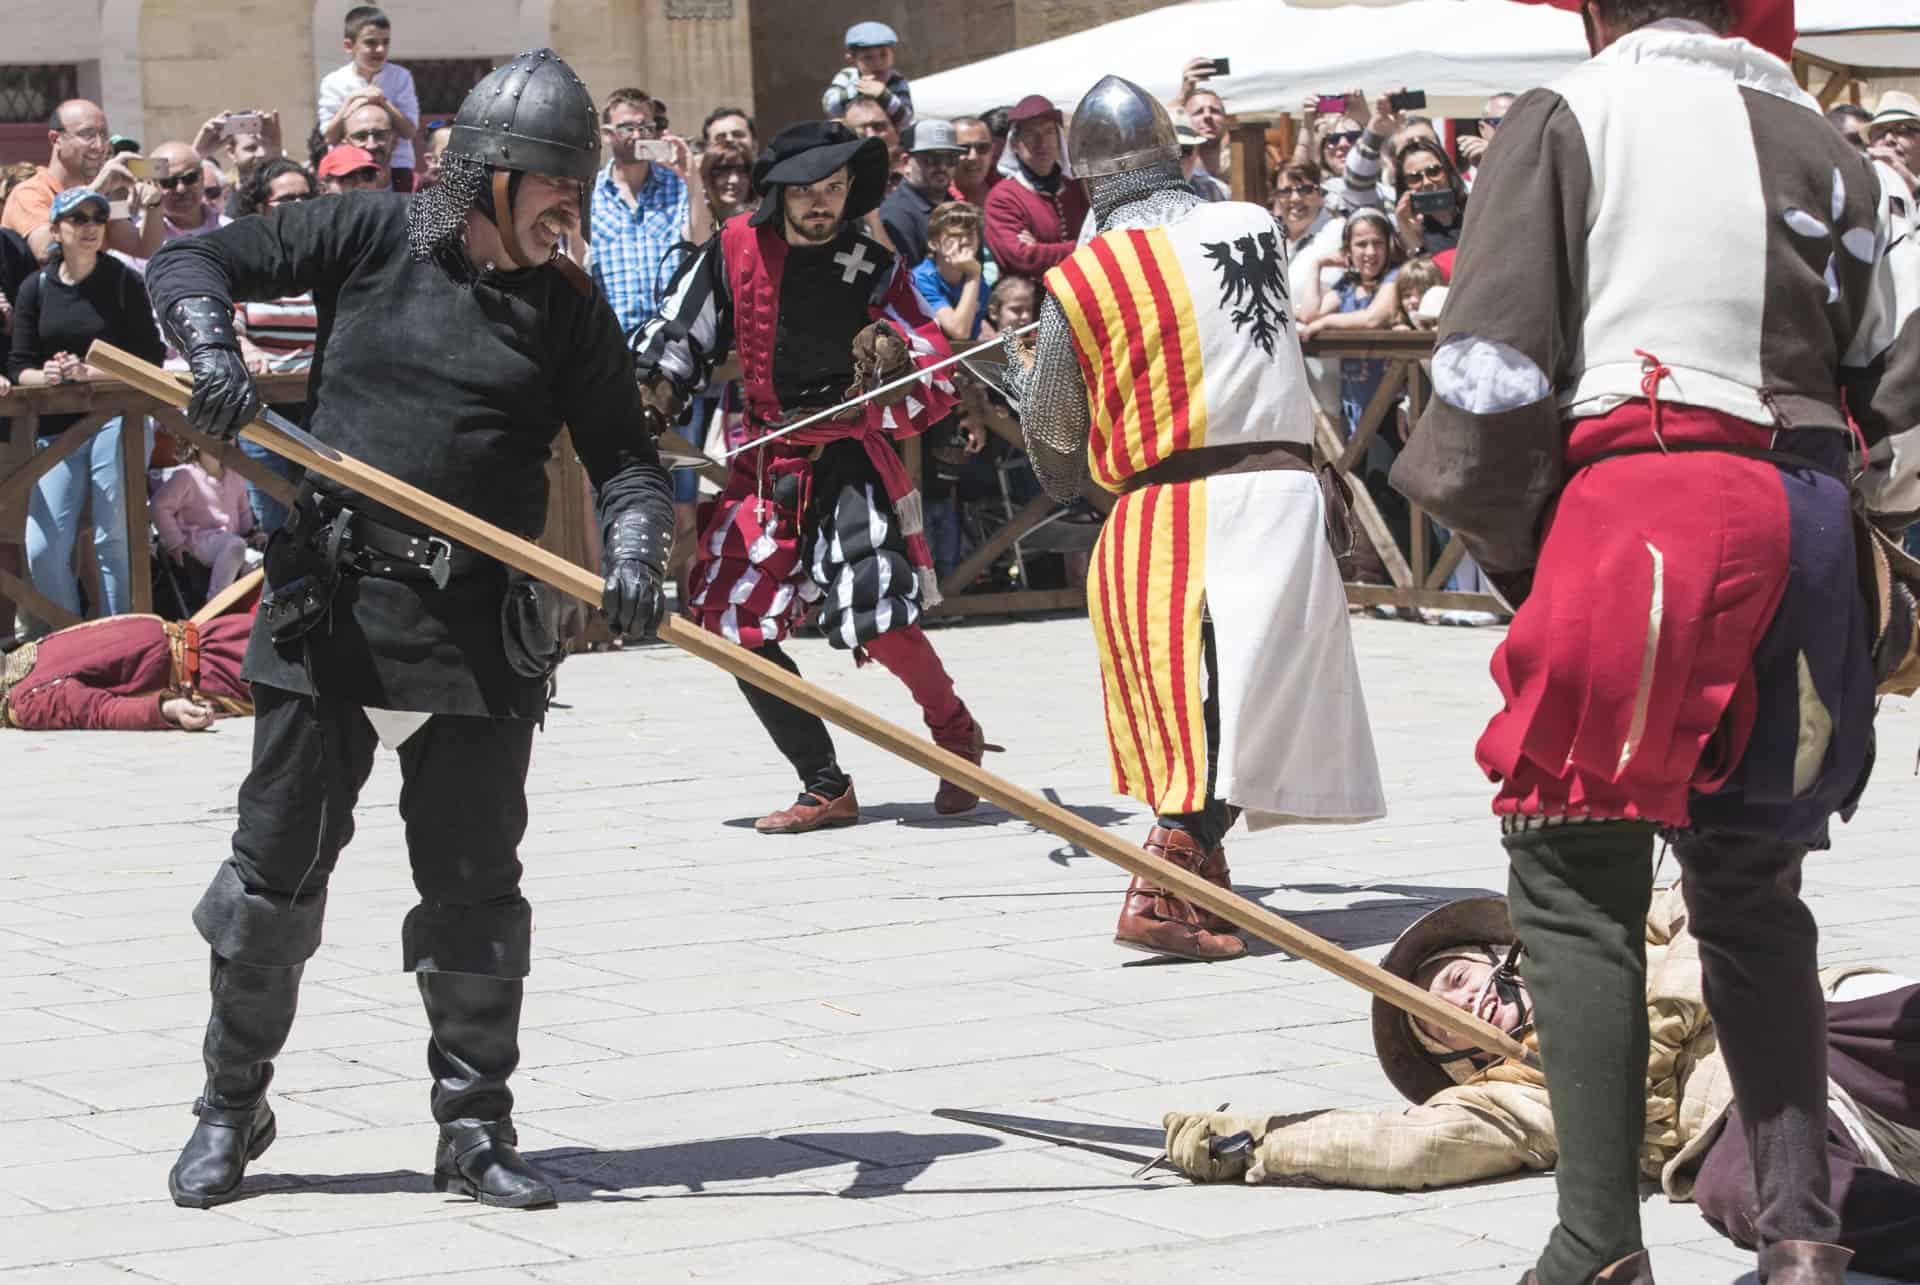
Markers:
533,115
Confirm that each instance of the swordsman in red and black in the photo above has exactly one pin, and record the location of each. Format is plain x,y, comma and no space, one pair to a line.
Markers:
819,311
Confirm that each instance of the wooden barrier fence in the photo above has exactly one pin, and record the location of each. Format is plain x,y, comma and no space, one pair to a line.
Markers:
1417,577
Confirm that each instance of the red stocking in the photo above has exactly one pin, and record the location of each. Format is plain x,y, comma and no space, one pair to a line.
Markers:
911,658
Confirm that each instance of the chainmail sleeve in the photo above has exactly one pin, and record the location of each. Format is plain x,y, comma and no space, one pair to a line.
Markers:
1054,417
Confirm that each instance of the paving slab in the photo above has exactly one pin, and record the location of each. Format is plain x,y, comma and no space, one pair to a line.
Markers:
735,1044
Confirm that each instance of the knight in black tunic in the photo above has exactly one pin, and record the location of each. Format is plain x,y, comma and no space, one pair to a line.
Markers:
818,310
453,345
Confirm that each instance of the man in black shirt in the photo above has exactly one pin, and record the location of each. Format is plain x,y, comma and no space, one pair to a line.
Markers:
453,344
932,153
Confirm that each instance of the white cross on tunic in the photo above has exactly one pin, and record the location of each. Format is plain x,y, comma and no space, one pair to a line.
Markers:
855,263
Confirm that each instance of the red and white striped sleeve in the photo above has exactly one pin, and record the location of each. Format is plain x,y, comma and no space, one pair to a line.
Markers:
901,304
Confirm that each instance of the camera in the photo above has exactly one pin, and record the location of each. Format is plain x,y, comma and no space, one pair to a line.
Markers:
1222,66
238,124
1332,105
656,150
1442,202
1408,100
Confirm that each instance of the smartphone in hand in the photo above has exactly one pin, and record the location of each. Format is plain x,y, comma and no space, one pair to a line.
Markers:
658,151
1442,202
1409,100
1331,105
1222,66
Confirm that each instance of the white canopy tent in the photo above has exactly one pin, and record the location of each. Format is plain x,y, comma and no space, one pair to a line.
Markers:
1460,50
1872,37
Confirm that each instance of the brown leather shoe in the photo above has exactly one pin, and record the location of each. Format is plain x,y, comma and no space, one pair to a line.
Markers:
1803,1262
1162,924
812,811
1634,1269
963,737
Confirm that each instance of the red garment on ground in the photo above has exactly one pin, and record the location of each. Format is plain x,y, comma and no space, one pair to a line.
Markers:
111,674
1658,576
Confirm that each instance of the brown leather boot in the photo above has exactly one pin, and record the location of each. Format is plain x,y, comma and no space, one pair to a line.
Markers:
812,811
1803,1262
1163,924
964,737
1634,1269
1214,871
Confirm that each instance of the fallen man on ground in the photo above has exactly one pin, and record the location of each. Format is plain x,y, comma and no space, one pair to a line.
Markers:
132,673
1479,1118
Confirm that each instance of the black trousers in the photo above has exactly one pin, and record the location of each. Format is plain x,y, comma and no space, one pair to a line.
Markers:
1208,826
802,738
463,799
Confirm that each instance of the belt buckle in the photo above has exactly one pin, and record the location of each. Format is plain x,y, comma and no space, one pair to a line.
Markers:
440,568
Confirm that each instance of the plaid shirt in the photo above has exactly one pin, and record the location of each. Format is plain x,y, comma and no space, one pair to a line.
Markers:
633,244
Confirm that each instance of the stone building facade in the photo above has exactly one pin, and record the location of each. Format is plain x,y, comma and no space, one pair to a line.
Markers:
161,67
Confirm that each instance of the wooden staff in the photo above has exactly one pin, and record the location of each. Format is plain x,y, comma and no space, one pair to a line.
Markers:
461,526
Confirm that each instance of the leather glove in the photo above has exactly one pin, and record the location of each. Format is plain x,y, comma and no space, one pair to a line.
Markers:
636,542
880,356
659,407
224,398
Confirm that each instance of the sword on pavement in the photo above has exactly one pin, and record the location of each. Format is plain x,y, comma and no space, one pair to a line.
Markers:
918,375
474,533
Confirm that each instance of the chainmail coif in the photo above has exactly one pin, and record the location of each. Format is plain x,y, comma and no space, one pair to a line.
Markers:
437,217
1054,417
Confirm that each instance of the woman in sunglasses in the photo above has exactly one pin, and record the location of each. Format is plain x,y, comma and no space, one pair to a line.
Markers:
1433,200
276,335
80,295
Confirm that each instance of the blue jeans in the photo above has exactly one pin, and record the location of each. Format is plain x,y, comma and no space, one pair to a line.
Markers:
943,533
268,513
53,524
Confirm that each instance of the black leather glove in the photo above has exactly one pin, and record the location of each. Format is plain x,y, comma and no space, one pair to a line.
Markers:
659,407
636,541
224,398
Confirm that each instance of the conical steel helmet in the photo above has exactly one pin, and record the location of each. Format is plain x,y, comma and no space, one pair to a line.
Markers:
533,115
1119,127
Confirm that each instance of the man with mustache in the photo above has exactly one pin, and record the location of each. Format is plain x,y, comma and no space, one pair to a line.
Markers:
374,630
1475,1117
819,311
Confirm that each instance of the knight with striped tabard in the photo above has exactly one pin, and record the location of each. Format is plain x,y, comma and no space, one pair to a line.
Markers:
1168,371
817,309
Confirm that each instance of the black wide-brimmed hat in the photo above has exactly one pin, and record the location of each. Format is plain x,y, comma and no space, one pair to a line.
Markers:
1475,921
808,152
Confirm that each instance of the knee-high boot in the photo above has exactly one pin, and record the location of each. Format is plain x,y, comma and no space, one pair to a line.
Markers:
252,1014
1579,896
474,1049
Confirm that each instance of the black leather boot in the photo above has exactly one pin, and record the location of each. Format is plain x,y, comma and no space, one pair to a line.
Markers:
252,1013
475,1047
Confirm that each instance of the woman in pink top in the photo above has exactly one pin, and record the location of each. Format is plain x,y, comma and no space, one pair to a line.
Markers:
202,511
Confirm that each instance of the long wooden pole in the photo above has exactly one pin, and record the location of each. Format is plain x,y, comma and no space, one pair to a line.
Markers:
461,526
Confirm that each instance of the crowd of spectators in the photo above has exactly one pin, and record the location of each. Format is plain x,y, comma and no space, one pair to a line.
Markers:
1370,204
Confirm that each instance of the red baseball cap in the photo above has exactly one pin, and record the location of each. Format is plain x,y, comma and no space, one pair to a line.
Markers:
343,159
1766,23
1033,107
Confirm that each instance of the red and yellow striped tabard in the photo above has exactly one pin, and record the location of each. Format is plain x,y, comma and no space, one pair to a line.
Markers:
1168,368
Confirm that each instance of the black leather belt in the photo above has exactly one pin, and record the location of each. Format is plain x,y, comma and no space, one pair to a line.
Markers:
375,549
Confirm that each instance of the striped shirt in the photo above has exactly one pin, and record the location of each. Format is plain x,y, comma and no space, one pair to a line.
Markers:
283,329
634,241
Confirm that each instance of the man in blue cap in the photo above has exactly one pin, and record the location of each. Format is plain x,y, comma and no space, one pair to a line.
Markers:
870,74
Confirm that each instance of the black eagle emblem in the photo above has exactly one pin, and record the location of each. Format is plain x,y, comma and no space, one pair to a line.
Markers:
1253,285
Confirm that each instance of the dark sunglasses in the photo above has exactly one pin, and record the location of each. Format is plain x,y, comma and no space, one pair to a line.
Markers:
85,220
1347,136
1492,120
718,170
179,180
292,196
976,149
1432,173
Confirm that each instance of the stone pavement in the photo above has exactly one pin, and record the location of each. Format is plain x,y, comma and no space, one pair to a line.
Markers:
735,1044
